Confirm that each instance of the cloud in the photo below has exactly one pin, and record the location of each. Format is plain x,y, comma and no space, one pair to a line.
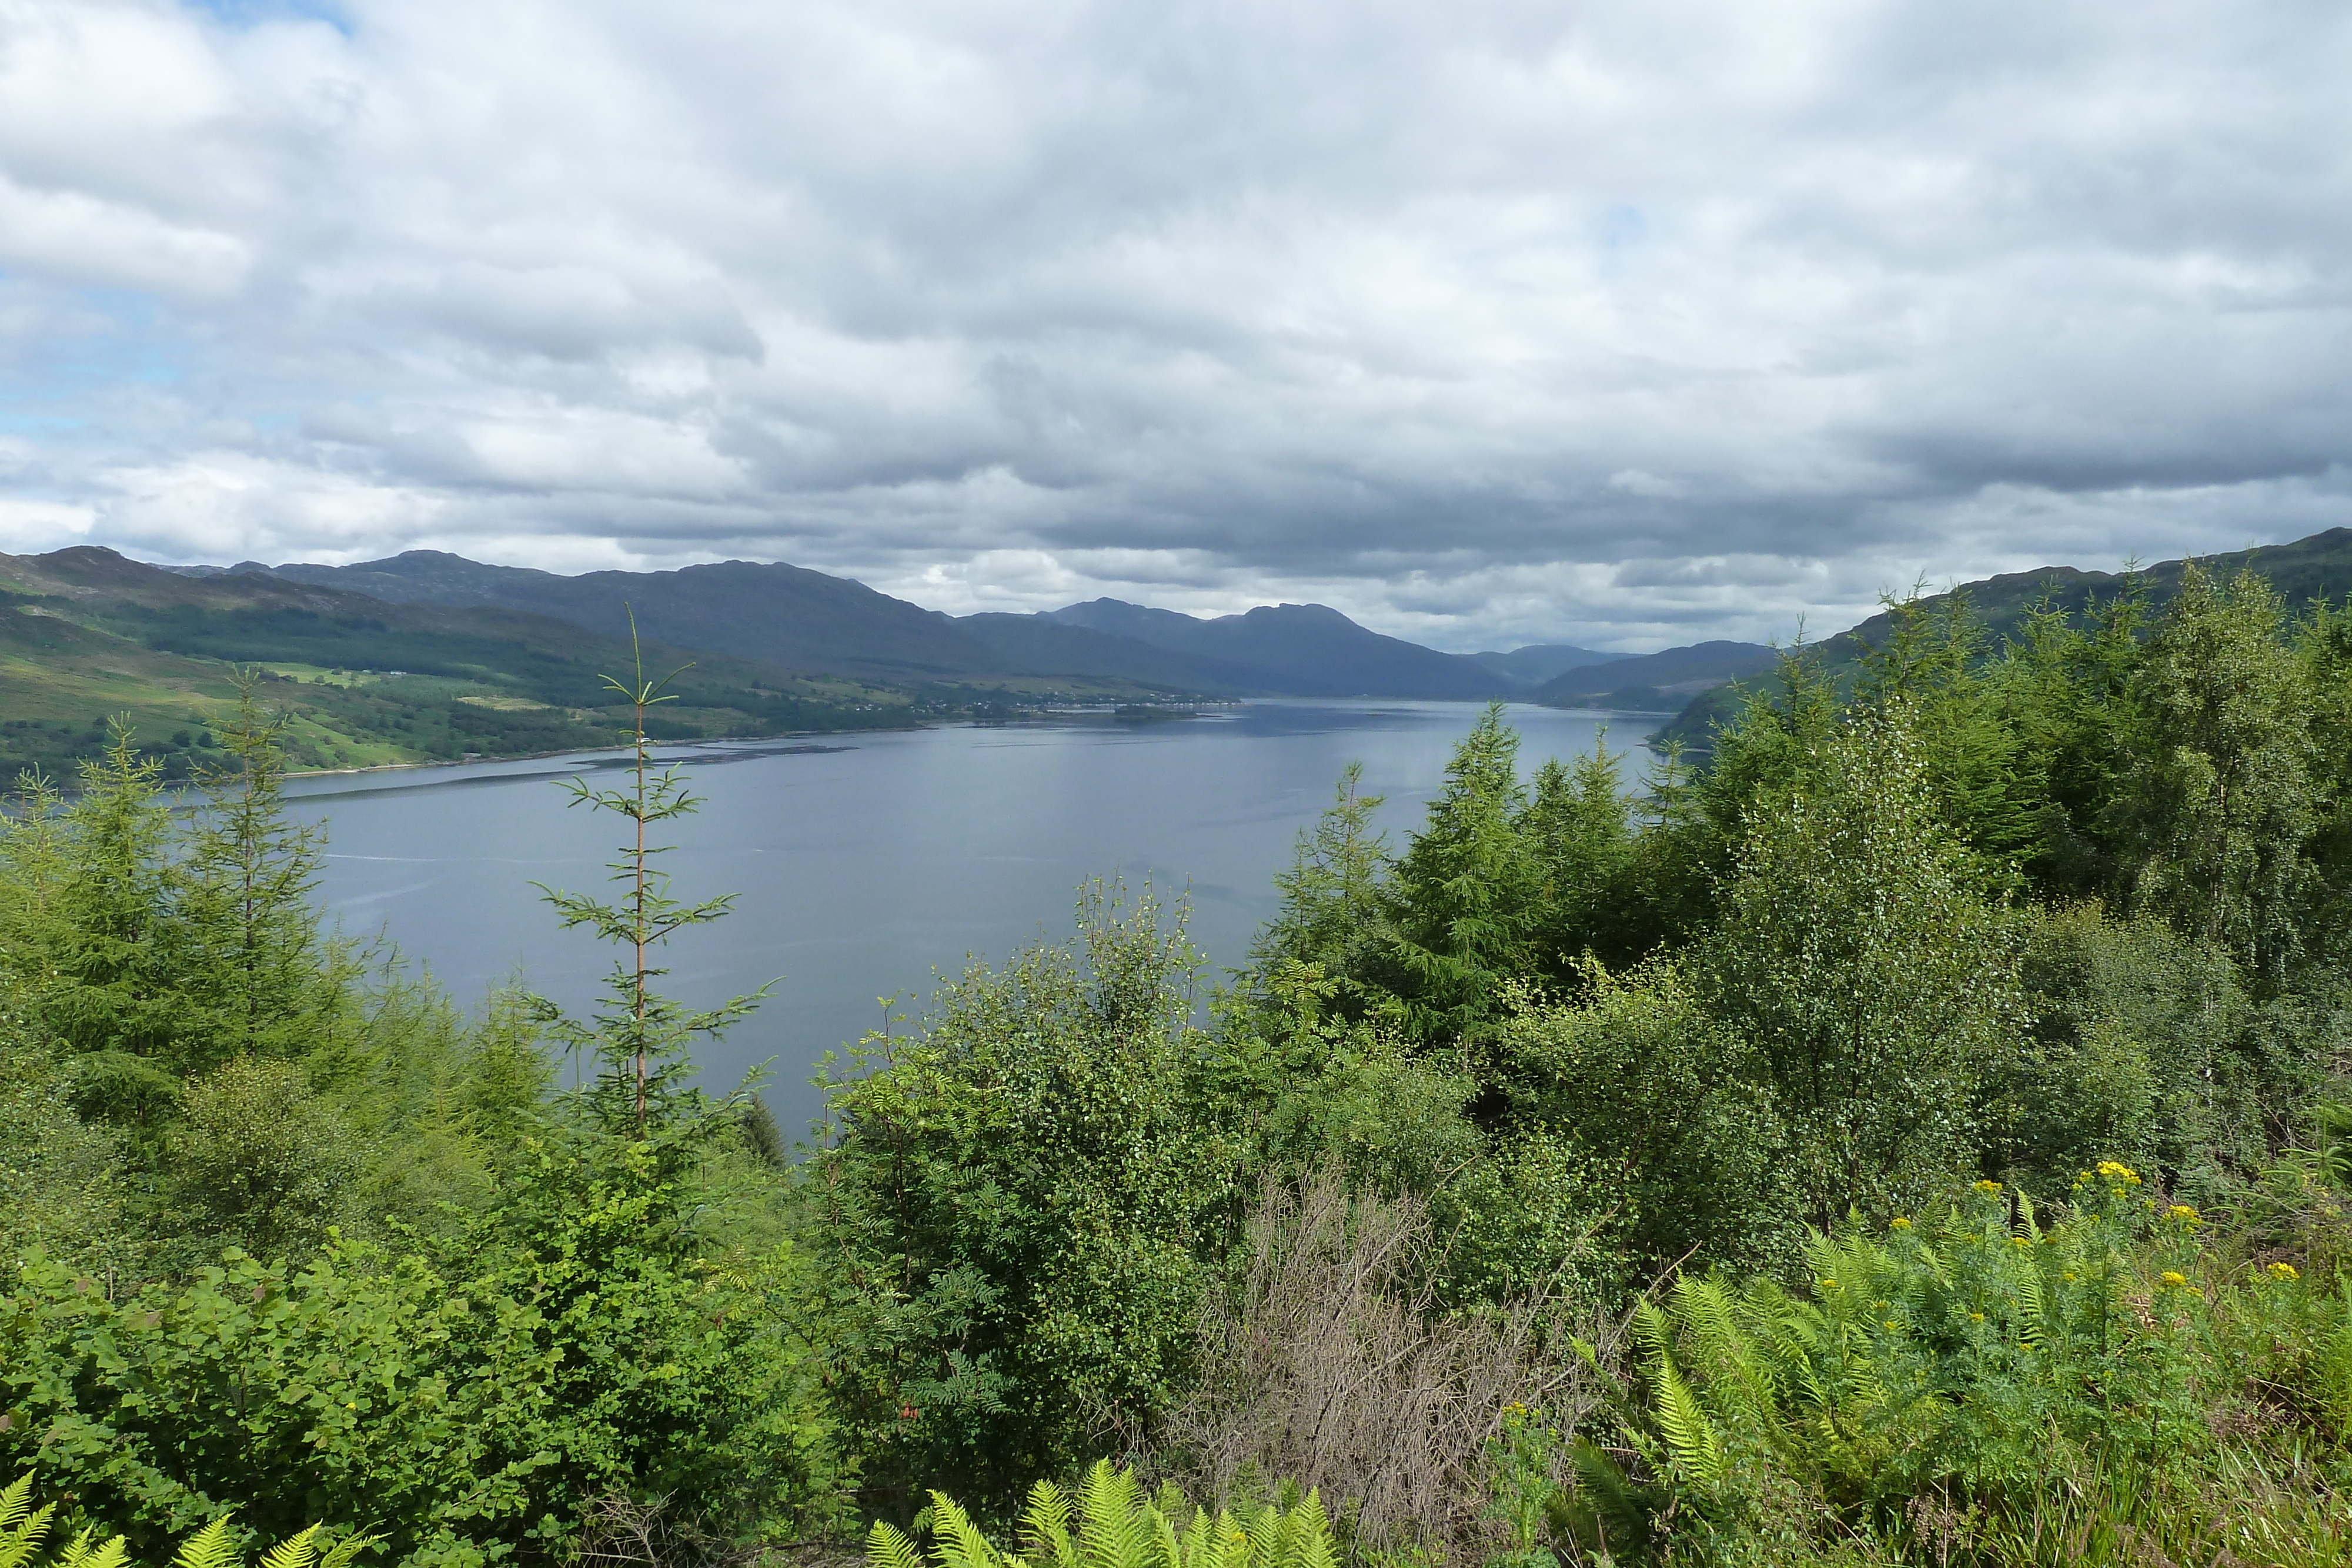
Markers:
1502,321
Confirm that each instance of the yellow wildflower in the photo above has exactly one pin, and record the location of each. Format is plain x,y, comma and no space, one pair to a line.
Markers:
1899,1223
1988,1185
2285,1271
2173,1280
1825,1284
1976,1317
2017,1241
2115,1170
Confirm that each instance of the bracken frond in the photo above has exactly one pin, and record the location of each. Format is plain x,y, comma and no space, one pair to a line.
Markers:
294,1552
210,1548
1690,1436
887,1547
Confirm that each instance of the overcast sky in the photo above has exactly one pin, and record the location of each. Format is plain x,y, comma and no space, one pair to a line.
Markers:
1624,323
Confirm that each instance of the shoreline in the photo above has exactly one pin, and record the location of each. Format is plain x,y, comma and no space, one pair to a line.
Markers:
724,740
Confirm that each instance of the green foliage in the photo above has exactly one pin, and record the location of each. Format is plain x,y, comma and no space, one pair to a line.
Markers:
1858,957
464,1399
260,1160
1580,826
2227,804
1110,1524
1671,1104
24,1529
1331,915
62,1189
1979,1362
2144,1046
641,1041
1019,1208
1464,898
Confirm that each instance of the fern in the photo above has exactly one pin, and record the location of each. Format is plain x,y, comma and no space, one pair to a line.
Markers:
1607,1516
887,1547
1114,1527
1046,1527
23,1528
78,1553
1691,1437
209,1548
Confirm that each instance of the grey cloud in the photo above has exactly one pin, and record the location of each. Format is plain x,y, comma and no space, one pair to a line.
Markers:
1623,323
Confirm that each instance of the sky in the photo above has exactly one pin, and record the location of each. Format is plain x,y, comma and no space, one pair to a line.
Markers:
1623,323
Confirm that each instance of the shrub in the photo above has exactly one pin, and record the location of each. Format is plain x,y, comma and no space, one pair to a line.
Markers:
1331,1363
467,1404
1019,1213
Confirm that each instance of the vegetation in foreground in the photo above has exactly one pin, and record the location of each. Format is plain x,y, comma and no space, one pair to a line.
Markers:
1919,1136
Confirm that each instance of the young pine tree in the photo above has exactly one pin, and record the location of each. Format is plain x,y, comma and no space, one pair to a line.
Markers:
641,1041
1467,894
1579,829
249,929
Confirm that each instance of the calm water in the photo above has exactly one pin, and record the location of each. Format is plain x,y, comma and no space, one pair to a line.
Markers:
864,862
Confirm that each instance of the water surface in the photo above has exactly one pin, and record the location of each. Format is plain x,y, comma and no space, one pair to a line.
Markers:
862,863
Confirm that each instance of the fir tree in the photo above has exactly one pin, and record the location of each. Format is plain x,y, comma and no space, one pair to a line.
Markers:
640,1040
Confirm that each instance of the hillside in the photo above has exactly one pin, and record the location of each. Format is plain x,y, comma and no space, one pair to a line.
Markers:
784,615
1656,681
86,634
1046,647
1539,662
1301,650
2316,567
803,619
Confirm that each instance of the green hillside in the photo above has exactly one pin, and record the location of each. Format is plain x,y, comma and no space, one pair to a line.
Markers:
86,635
2318,566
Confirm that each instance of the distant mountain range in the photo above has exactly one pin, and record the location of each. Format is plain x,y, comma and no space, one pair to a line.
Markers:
430,655
86,635
805,621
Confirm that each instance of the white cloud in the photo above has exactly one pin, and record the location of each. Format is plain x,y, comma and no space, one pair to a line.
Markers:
1623,323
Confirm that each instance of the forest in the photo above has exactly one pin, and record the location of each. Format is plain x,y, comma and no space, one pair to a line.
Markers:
1916,1133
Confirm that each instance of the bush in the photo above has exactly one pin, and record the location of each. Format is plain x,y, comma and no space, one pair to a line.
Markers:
570,1345
1331,1361
1018,1216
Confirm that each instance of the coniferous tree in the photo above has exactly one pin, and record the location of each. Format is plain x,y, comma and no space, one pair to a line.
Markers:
641,1041
248,926
1578,826
1466,894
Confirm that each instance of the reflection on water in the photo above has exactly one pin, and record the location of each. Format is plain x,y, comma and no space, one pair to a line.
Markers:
862,866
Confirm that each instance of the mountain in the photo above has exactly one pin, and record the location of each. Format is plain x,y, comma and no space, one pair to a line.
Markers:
1539,662
807,620
1656,681
86,634
786,615
1049,647
1299,650
2316,567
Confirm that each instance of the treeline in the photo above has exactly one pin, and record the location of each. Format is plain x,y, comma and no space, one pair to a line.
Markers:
1917,1136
